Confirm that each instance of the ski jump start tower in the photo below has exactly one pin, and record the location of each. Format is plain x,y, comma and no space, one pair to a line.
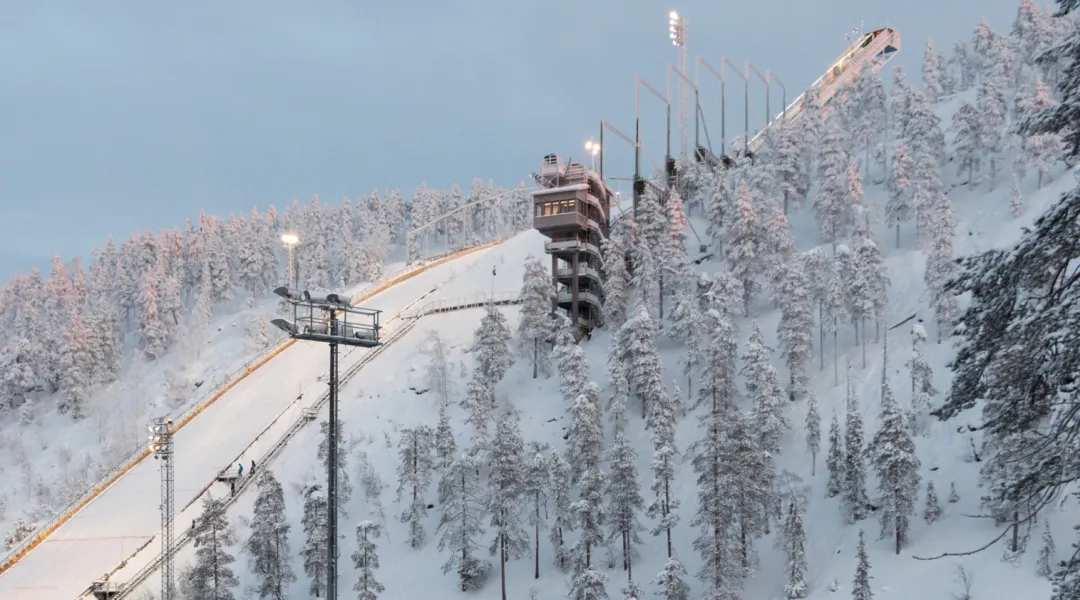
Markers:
573,207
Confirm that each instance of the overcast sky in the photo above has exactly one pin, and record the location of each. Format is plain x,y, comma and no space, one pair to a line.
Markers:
118,116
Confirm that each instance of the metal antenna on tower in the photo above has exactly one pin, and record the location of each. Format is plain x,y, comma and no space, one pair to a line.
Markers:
161,443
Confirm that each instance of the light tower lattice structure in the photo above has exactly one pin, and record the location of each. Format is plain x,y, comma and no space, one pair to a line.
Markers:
333,320
161,443
677,33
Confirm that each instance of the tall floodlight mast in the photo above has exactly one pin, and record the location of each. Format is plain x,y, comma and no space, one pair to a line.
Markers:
330,319
677,33
161,443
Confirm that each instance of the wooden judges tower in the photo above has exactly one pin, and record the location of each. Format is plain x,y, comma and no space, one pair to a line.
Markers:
573,207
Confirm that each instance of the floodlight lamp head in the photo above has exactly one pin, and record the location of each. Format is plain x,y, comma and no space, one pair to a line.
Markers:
290,239
339,299
286,326
673,15
290,294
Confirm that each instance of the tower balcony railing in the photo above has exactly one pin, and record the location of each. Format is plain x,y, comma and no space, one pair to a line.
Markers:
567,245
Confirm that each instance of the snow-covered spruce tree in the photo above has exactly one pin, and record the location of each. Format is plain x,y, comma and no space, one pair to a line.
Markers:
968,143
1042,149
507,482
438,375
893,453
751,473
647,271
537,491
940,269
813,430
933,72
872,270
869,111
795,546
314,550
639,334
1061,117
479,403
674,260
744,247
763,387
898,207
1017,204
585,448
663,413
778,247
932,509
625,502
832,184
445,445
560,499
570,362
1047,552
992,110
953,496
670,582
491,346
1010,359
366,560
922,374
415,466
836,460
861,586
268,546
323,454
633,591
924,134
855,496
836,306
461,498
616,277
535,324
796,328
721,571
789,166
211,576
588,583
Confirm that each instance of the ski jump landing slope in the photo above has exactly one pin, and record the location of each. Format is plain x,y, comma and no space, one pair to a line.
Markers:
125,516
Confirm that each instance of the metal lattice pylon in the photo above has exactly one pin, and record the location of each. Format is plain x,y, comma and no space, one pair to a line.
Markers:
161,443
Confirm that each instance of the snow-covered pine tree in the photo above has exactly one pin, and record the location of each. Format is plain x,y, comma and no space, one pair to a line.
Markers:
832,184
314,550
796,328
663,413
872,271
537,491
953,496
789,166
744,247
415,466
898,207
1017,204
616,277
211,576
625,502
570,362
893,454
507,481
560,499
639,335
438,374
795,544
855,496
932,509
445,445
479,404
992,109
633,591
763,387
461,498
836,306
535,323
588,584
585,447
933,72
366,560
1042,149
491,346
813,430
870,104
968,143
268,545
671,582
922,374
1047,552
344,485
836,460
861,586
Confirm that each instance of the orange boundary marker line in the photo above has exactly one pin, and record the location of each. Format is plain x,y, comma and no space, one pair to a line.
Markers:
142,455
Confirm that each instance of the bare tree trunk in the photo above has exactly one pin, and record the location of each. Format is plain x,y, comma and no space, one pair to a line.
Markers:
536,354
898,235
835,360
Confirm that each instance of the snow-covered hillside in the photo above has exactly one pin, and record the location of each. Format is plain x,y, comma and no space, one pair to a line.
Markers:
393,396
